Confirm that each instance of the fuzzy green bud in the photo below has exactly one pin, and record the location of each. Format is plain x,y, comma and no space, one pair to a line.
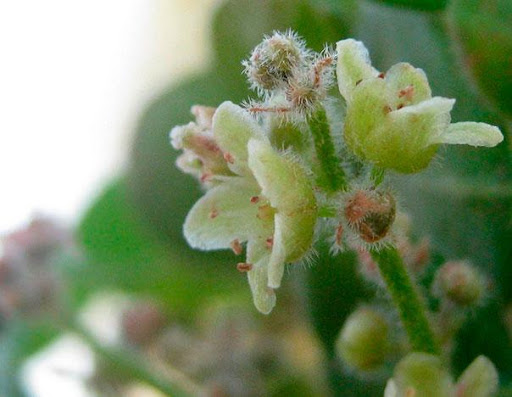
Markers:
480,379
420,375
363,342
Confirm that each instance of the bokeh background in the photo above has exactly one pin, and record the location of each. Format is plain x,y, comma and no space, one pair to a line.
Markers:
99,293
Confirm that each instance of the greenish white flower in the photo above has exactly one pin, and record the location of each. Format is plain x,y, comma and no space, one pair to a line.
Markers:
264,198
392,120
423,375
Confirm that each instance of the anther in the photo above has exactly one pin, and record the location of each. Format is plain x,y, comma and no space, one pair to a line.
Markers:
243,267
236,246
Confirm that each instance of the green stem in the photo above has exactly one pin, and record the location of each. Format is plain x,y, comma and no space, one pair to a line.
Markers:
131,365
404,295
333,176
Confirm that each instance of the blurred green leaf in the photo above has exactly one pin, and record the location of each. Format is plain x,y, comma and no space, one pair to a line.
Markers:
18,341
483,29
122,254
423,5
335,289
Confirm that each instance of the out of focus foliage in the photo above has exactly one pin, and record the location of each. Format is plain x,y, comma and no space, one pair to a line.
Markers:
131,238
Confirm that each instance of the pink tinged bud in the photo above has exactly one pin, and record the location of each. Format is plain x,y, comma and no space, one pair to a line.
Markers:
255,199
460,283
236,247
269,242
370,214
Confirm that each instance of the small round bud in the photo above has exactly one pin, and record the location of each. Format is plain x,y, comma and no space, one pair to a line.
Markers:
459,282
274,60
370,214
420,375
142,322
363,342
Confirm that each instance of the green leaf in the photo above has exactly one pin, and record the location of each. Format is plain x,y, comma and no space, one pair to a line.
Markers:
123,254
483,30
423,5
334,291
18,341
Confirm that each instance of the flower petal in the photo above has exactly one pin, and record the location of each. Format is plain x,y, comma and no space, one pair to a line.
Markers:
232,129
480,379
408,84
223,214
353,66
470,133
365,114
258,255
286,185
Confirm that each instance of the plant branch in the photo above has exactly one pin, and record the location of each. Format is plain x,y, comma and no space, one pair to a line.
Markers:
406,298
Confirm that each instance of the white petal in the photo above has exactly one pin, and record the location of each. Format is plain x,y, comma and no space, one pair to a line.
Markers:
471,133
419,125
232,129
353,65
258,255
224,214
390,390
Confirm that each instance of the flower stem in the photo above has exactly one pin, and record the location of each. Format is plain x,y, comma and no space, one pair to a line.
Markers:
333,176
404,295
132,366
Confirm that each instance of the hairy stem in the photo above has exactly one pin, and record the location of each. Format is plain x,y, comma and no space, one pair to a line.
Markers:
333,176
406,298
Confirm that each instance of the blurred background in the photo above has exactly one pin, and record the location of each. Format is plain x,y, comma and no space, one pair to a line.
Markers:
99,293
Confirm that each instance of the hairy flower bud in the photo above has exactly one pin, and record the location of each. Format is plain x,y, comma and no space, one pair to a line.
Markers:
363,342
370,214
274,60
459,282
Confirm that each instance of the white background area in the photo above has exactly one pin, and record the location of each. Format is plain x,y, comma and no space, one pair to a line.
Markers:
74,77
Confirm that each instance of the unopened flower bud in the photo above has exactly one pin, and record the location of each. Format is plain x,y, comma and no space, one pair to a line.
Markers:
370,214
363,342
420,375
480,379
459,282
274,60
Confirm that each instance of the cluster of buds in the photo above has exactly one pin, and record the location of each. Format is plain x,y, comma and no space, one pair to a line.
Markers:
420,374
28,284
291,78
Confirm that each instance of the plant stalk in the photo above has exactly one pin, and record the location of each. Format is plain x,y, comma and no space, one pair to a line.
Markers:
333,177
407,300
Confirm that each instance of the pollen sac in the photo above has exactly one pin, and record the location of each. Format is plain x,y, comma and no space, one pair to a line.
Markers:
274,60
370,214
460,283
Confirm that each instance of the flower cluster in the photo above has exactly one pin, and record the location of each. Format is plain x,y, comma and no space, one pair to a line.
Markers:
266,176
